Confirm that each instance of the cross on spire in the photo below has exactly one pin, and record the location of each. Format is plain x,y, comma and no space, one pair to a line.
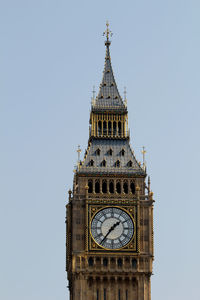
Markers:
107,32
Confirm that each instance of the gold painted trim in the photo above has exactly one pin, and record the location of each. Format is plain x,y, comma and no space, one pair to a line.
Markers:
134,223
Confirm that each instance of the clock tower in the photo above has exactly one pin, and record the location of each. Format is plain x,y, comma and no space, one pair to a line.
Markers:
109,216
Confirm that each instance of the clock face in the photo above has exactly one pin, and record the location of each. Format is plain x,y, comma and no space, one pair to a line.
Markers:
112,228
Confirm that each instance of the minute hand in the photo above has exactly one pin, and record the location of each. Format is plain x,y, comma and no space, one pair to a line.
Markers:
109,231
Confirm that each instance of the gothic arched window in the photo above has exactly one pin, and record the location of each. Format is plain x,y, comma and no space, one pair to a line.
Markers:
125,187
132,186
119,128
99,128
114,128
90,186
97,187
104,128
118,187
109,128
111,187
104,186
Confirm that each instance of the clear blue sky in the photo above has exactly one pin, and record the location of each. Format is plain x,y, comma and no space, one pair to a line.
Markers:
51,54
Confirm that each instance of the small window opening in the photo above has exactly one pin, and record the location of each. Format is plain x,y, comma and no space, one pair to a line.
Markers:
110,152
109,128
104,128
130,164
98,151
105,262
125,187
104,187
97,187
114,128
134,263
132,188
104,294
90,186
90,262
118,187
122,152
119,295
117,164
97,294
119,262
99,128
91,163
103,164
119,128
111,187
126,294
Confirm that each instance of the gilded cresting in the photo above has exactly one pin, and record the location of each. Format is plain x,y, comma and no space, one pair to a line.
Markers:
108,182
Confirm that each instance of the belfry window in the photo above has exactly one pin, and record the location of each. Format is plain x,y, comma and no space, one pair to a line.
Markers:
99,128
104,186
119,128
90,186
104,128
118,187
125,187
132,186
97,187
109,128
111,187
114,128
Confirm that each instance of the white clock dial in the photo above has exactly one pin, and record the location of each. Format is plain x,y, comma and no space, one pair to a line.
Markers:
112,228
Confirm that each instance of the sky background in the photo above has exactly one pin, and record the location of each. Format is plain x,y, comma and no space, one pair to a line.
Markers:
51,55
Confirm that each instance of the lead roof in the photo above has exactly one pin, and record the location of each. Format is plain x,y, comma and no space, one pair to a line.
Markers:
104,145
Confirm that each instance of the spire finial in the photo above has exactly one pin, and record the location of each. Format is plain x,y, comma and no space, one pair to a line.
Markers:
79,152
143,153
107,33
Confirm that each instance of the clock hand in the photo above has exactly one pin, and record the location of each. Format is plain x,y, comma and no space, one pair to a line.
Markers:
109,231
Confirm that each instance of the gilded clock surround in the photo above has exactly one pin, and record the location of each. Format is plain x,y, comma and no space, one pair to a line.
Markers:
94,246
109,176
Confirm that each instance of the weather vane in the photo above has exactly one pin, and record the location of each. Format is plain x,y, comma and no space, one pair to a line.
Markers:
107,32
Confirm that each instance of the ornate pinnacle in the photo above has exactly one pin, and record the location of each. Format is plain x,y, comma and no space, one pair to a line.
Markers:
107,33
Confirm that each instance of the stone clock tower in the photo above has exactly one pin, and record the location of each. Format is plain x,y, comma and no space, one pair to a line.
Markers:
109,217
